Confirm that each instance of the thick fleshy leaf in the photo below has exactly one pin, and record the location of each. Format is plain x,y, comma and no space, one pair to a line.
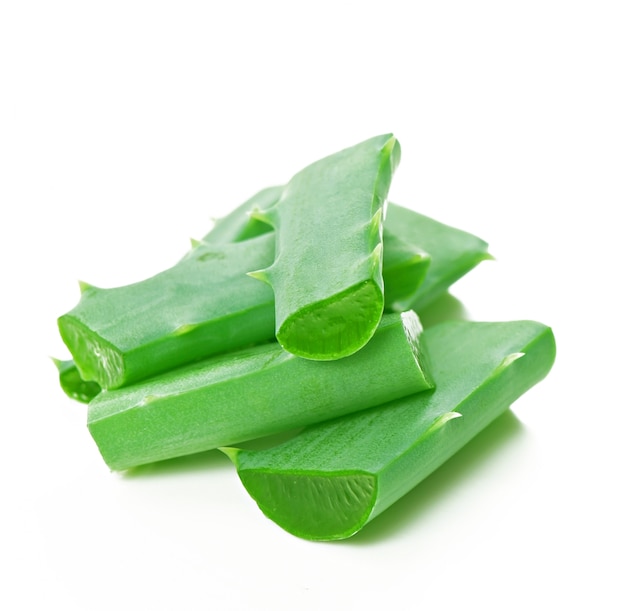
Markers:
252,393
331,479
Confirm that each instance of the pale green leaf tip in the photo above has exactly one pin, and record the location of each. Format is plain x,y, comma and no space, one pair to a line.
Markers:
392,149
376,225
390,142
510,358
183,329
195,243
265,216
441,420
449,416
260,274
58,363
377,219
420,257
376,256
85,286
232,453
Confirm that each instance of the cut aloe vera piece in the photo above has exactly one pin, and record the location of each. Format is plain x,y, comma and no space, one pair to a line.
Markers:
239,225
411,242
327,273
72,384
114,342
252,393
110,335
405,263
405,267
330,480
453,254
204,305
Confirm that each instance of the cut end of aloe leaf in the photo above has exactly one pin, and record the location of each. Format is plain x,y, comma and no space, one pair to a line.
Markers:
334,328
72,384
313,506
96,359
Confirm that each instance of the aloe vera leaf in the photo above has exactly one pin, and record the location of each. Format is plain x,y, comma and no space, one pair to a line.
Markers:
405,264
96,321
239,225
405,267
330,480
204,305
453,253
327,273
252,393
72,384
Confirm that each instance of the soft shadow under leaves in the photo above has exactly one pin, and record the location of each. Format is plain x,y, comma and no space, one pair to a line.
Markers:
442,482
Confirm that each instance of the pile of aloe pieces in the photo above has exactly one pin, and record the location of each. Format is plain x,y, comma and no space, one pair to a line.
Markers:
299,311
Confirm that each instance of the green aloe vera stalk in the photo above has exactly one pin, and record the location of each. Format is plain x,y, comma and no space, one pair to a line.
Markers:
204,305
405,263
252,393
327,273
410,242
72,384
239,225
331,479
453,253
405,267
140,325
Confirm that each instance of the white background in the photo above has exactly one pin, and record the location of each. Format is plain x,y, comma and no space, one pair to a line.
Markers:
126,126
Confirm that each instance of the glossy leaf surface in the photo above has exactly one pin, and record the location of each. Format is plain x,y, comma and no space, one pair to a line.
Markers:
327,272
331,479
204,305
252,393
